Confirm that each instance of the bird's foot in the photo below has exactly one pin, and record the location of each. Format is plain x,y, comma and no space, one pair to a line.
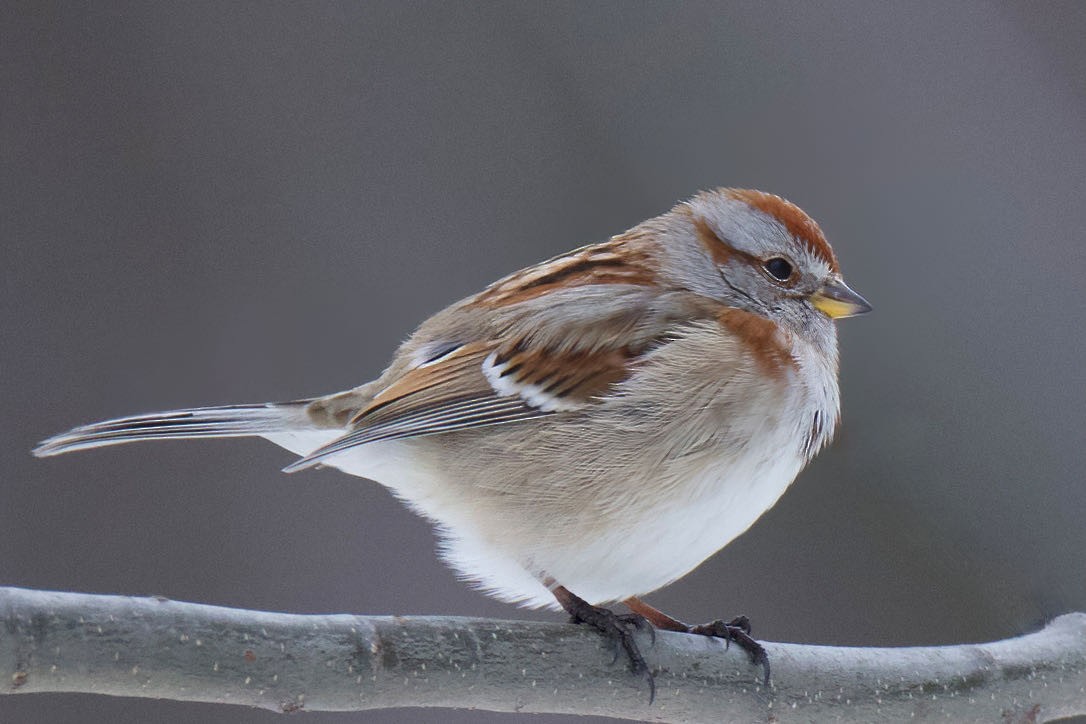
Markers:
619,629
737,630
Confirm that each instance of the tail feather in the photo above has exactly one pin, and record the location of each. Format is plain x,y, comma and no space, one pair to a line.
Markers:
225,421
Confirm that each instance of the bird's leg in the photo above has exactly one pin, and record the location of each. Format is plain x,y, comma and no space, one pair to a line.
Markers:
737,630
619,628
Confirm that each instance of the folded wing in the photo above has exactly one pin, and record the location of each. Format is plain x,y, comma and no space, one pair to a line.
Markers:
530,360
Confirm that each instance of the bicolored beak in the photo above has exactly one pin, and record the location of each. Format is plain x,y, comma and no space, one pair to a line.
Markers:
836,300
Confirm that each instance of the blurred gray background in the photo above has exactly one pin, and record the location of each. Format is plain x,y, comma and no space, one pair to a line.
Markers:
212,203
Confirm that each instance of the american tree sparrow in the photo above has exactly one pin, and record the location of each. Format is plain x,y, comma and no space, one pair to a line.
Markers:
600,423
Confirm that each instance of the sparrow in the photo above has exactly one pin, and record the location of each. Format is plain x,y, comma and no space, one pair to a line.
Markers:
592,428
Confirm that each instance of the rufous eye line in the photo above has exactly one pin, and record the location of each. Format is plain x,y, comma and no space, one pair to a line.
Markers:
719,250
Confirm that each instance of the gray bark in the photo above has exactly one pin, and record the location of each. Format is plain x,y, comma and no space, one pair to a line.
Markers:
150,647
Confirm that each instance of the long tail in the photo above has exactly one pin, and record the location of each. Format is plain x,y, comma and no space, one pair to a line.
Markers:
273,420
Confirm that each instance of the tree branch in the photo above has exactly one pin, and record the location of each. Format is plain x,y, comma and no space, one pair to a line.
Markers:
150,647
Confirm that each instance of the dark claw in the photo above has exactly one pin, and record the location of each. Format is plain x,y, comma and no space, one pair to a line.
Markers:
737,630
619,630
652,685
616,648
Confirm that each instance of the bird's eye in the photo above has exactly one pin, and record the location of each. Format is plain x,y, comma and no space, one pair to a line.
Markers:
779,268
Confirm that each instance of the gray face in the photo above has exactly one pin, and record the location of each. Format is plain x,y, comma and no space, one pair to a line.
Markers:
777,283
747,258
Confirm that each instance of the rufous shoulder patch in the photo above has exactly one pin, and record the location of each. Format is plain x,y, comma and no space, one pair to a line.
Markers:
611,262
762,337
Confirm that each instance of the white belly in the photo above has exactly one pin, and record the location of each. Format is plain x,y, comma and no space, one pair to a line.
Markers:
640,553
676,538
611,505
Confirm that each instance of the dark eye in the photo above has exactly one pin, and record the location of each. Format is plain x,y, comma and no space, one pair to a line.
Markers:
779,268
